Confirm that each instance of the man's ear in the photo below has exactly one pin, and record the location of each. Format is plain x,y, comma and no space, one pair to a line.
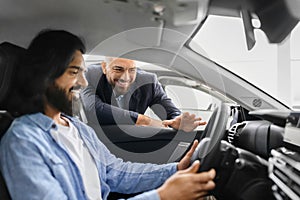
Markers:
103,65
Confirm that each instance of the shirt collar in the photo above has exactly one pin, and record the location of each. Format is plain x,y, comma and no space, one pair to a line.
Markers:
45,122
118,97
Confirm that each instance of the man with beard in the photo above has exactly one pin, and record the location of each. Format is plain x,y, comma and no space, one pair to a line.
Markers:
47,154
120,93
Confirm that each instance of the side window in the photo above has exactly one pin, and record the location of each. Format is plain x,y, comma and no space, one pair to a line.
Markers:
189,99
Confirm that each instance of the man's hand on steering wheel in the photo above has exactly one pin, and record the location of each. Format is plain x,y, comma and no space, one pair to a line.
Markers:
186,160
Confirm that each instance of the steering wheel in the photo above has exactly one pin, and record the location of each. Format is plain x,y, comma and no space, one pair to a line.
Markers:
232,178
214,152
210,141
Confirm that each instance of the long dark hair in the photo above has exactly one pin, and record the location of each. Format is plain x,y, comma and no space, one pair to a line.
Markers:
47,57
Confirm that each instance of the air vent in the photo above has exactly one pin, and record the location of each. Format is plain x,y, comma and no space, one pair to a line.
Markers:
234,132
284,171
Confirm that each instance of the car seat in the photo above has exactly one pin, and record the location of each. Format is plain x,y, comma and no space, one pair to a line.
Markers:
10,55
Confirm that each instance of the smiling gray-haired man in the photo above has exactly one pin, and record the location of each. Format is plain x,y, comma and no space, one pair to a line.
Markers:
120,93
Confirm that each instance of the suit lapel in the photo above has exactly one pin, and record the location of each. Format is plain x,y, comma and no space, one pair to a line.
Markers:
104,91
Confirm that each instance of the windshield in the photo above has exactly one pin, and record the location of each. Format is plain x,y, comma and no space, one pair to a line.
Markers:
273,68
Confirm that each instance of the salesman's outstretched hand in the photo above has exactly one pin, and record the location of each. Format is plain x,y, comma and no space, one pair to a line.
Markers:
186,122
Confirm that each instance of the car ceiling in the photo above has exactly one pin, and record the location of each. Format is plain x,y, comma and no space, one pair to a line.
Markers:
97,20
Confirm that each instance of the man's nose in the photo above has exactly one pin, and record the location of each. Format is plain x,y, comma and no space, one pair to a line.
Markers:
125,76
82,80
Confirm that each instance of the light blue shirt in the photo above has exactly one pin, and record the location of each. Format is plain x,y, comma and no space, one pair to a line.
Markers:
35,166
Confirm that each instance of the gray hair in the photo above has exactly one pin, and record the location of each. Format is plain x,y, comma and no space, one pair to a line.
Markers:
109,59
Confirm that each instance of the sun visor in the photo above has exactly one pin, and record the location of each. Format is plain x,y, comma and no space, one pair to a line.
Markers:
279,19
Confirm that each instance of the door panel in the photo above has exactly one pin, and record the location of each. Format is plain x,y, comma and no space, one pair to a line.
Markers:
145,144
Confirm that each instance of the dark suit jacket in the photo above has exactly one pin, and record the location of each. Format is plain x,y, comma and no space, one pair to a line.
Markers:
100,103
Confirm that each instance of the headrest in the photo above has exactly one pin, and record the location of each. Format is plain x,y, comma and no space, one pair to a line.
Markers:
9,57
